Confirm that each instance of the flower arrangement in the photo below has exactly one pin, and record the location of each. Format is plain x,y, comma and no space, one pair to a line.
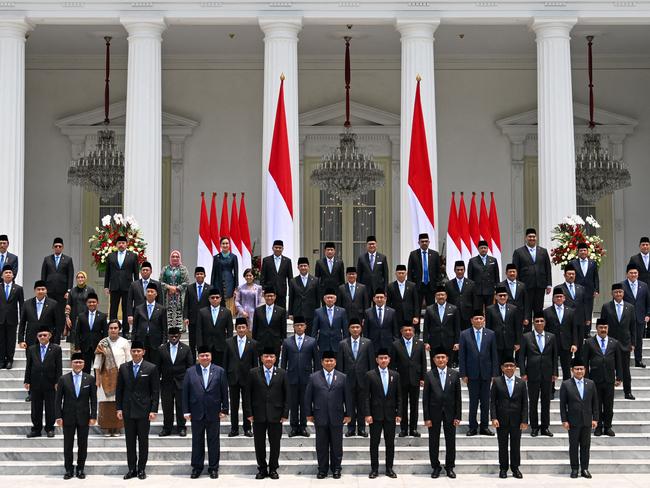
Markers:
103,242
571,232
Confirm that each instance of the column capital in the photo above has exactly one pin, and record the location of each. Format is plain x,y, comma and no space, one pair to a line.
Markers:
553,27
280,27
416,28
15,27
144,27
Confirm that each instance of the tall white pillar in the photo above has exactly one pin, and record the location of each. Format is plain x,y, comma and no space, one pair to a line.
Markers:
12,133
417,59
143,138
281,57
556,164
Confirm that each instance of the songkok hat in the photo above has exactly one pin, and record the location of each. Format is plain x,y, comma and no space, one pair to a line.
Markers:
531,230
77,356
577,361
7,267
199,269
152,286
482,243
303,260
617,286
510,266
459,264
278,242
329,245
424,235
241,321
92,296
137,345
558,290
400,267
371,239
583,245
350,269
298,319
57,240
268,350
40,283
328,355
500,289
382,352
146,264
174,331
204,349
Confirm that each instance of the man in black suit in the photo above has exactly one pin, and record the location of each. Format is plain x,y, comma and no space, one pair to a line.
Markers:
270,323
214,327
461,293
372,267
330,270
410,361
576,298
538,367
356,356
402,296
276,273
330,323
637,293
12,300
587,277
121,271
304,294
58,273
300,358
602,356
136,398
137,294
579,414
509,413
175,358
442,325
534,266
327,405
620,316
352,295
380,324
196,297
241,356
483,270
518,296
150,324
92,327
205,403
266,405
75,410
424,270
503,319
7,258
561,322
43,369
382,406
642,260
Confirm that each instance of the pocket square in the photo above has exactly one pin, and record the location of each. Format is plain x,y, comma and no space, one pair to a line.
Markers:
144,375
87,386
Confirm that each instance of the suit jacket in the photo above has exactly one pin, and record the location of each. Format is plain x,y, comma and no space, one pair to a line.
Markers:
624,331
602,368
445,333
539,366
521,300
218,262
192,304
29,321
137,397
579,303
376,277
152,332
12,260
267,403
535,274
60,280
328,404
237,368
119,278
172,374
355,369
325,278
303,300
485,277
465,300
205,403
569,332
299,364
43,375
641,302
411,368
11,308
644,273
270,334
436,401
137,295
591,280
278,279
415,269
475,364
214,334
353,307
329,335
406,308
86,339
381,335
382,408
72,409
510,411
508,331
579,412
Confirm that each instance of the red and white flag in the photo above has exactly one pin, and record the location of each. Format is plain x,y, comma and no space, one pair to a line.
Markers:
204,246
214,227
454,246
463,225
420,186
244,231
225,226
484,224
235,236
495,232
474,231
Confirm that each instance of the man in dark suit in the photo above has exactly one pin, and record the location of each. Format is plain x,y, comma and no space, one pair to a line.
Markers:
461,293
330,270
12,300
270,323
483,270
503,319
579,414
276,273
175,358
442,325
304,296
561,322
509,413
196,297
92,327
382,406
58,273
576,298
402,296
137,294
352,295
602,357
621,318
478,362
642,260
300,358
518,296
241,356
410,361
205,403
7,258
214,327
538,367
424,270
327,405
356,356
266,405
534,266
43,369
121,271
636,292
330,323
136,398
587,277
75,410
150,324
372,267
380,324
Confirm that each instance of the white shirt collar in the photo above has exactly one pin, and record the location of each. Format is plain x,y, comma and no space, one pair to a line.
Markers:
138,364
381,370
440,371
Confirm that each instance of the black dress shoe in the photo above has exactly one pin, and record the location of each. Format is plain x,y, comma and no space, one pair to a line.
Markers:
273,475
435,474
130,474
391,474
503,473
182,432
363,433
233,433
2,365
336,474
304,433
195,474
248,433
50,433
598,432
321,476
142,475
214,474
609,432
403,433
80,474
471,432
553,395
9,365
68,475
534,432
585,473
294,432
261,475
349,433
450,473
372,475
33,434
415,433
516,473
639,364
487,431
629,396
574,473
164,433
547,432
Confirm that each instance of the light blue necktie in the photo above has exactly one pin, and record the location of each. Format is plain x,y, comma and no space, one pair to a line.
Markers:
43,351
384,381
540,342
502,308
572,291
484,259
57,258
355,348
206,377
380,316
7,289
603,346
77,384
278,260
372,261
268,377
39,309
120,258
136,368
581,388
215,312
460,285
533,253
352,287
441,312
560,313
2,260
478,339
329,379
150,306
144,285
269,314
443,378
330,265
242,345
510,383
633,287
199,291
619,310
425,268
91,319
513,289
299,342
173,350
408,347
330,315
584,266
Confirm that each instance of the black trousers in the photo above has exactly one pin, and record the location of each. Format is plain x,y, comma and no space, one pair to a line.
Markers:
605,404
171,397
410,401
376,428
450,441
565,363
202,429
536,299
627,376
479,392
217,357
638,347
43,398
136,431
281,300
69,432
297,418
191,331
535,390
357,420
484,301
237,392
329,447
579,442
7,342
589,312
260,430
59,314
427,293
119,297
512,432
89,359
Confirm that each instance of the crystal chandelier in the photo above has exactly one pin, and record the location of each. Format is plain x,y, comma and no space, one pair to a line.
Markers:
597,174
101,171
347,172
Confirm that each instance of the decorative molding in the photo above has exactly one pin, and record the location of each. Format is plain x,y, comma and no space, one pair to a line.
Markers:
369,115
141,4
73,4
211,4
349,4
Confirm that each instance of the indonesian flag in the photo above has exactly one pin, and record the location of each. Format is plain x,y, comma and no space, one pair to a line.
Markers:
204,246
244,231
466,240
225,226
495,232
420,186
474,231
235,236
214,226
279,187
484,224
454,246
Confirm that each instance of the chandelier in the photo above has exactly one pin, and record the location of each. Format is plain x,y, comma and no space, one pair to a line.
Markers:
101,171
347,172
597,174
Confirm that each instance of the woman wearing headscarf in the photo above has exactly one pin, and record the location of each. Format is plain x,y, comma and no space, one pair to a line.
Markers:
76,303
225,274
174,279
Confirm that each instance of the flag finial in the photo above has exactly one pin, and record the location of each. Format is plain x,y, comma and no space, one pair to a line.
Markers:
282,77
418,78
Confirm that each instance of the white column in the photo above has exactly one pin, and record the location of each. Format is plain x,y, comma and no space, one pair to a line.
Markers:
143,138
177,146
281,57
417,59
12,133
557,182
517,153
